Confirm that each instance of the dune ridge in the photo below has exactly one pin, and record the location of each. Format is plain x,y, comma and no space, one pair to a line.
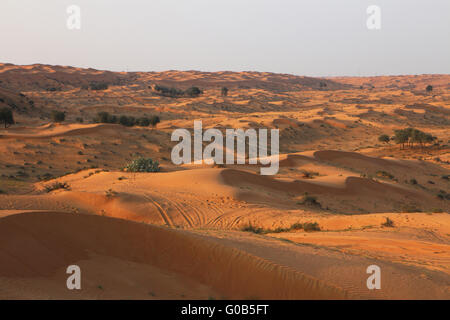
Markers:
234,273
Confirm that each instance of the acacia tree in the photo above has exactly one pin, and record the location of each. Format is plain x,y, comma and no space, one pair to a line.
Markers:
411,136
6,116
401,137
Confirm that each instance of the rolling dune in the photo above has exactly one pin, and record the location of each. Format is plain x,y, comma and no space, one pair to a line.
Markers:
40,244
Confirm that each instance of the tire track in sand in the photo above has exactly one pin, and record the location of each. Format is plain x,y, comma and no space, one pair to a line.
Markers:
161,211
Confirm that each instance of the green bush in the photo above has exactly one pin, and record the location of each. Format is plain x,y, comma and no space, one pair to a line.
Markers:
142,165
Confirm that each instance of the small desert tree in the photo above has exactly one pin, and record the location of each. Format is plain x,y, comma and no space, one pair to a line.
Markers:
6,116
401,137
193,92
58,116
429,88
143,122
127,121
384,138
154,120
224,91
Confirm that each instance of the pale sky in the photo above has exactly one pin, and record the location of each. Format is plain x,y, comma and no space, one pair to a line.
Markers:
303,37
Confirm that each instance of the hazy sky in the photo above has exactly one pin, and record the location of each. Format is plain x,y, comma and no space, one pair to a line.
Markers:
304,37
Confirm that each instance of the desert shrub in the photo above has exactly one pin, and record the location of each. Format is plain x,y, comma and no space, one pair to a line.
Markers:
79,120
154,120
98,86
175,93
429,88
110,193
384,138
309,200
105,117
6,116
143,122
52,89
297,226
193,92
311,226
385,174
58,116
253,229
142,165
127,121
56,186
102,117
308,226
169,92
413,181
388,223
443,195
309,174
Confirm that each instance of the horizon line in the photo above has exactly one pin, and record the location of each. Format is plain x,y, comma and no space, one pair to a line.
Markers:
222,71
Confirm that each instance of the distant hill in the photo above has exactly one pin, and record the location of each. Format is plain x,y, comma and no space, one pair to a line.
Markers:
39,77
18,102
408,82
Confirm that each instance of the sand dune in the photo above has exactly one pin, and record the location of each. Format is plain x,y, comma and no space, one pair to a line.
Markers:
40,244
51,131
